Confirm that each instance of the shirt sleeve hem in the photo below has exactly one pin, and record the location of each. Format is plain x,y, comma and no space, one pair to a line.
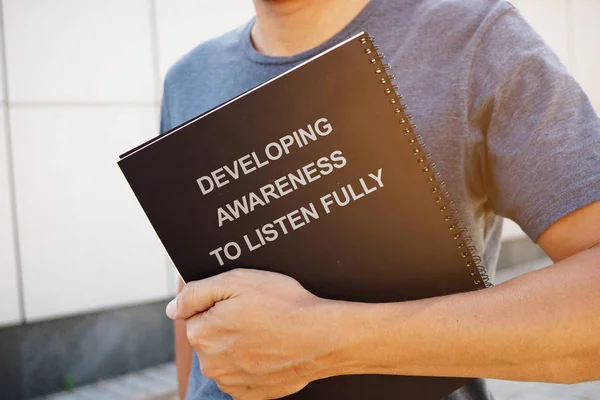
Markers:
564,204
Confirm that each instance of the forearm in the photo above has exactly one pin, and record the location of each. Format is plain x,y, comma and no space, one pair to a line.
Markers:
542,326
183,355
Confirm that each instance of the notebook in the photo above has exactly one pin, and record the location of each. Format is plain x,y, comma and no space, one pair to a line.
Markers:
320,175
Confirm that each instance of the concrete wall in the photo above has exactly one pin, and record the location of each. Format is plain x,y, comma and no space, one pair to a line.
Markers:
85,75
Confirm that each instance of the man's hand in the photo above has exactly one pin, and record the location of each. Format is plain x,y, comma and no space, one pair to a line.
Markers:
259,335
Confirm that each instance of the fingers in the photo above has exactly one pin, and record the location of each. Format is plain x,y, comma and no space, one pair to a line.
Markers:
199,296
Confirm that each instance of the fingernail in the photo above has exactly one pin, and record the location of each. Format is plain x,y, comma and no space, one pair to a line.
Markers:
172,309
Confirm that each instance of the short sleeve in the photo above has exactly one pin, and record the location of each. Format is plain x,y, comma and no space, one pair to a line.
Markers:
541,134
165,113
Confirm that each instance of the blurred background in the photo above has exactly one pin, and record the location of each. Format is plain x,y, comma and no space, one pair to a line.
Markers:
83,278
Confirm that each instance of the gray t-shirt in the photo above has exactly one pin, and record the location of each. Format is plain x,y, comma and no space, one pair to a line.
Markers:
511,132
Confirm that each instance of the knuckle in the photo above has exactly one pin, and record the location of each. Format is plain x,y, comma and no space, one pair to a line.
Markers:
207,370
193,339
232,281
180,301
195,334
225,388
189,290
183,297
235,275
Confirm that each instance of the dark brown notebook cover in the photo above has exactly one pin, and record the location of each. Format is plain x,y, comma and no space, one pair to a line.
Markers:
387,234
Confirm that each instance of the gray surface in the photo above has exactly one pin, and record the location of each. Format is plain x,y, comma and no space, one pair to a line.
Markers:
519,252
157,383
160,383
41,358
504,390
507,273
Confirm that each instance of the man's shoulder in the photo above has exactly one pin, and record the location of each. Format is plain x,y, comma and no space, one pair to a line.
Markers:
435,32
458,10
204,56
446,19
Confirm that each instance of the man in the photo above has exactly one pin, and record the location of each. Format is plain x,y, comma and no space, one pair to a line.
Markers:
512,134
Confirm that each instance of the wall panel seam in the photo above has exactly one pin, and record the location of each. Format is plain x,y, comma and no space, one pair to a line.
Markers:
569,16
11,172
169,275
153,21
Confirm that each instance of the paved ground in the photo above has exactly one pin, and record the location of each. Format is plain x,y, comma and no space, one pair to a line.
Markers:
504,390
159,383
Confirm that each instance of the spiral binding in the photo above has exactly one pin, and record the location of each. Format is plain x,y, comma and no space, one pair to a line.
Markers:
464,242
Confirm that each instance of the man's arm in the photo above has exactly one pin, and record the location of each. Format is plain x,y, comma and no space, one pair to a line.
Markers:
542,326
183,354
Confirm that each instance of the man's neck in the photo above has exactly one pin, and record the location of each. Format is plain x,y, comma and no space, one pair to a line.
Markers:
287,27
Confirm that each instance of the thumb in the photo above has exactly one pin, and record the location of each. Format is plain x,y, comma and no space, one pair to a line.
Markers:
198,296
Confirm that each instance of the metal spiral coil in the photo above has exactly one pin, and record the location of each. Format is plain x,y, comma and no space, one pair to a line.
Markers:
456,226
